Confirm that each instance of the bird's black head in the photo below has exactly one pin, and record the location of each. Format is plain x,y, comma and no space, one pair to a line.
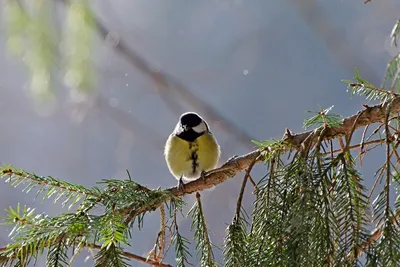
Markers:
190,120
190,127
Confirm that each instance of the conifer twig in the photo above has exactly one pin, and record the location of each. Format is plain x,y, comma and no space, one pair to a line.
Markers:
126,254
374,89
378,141
136,257
40,181
240,198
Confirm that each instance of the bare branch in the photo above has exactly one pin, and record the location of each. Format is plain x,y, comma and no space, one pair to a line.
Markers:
164,80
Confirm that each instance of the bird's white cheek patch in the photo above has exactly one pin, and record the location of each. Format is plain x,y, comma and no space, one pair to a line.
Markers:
200,128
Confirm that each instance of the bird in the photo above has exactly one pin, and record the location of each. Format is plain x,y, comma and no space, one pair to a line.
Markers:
191,149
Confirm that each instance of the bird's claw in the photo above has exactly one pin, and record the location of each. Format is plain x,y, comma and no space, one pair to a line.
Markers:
203,176
180,184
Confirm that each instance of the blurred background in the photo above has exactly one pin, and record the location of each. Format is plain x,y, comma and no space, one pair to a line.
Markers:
250,68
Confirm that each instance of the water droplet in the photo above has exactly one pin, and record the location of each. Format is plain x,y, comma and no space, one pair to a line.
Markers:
245,72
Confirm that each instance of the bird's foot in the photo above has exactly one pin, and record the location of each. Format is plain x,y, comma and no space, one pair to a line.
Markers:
203,176
180,184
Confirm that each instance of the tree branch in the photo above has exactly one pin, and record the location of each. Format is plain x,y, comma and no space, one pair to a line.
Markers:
135,257
240,198
165,80
95,246
371,114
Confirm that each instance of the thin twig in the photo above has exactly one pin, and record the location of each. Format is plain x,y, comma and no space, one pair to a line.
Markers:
362,145
378,178
253,183
374,89
353,128
205,230
161,244
376,234
75,255
378,141
240,198
388,140
135,257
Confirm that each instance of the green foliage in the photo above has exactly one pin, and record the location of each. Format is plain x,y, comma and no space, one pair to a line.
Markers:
235,244
203,243
110,256
323,118
57,255
78,46
359,86
48,186
391,79
311,208
31,33
181,245
110,229
395,33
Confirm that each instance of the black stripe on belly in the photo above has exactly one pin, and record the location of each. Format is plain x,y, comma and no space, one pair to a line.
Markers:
194,157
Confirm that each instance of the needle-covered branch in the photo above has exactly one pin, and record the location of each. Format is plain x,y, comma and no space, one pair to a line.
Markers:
370,115
127,201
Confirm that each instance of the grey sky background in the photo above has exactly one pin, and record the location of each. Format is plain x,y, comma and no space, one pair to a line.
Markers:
261,64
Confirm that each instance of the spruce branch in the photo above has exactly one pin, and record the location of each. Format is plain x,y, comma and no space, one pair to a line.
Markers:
48,185
134,257
181,244
118,190
370,115
4,258
235,240
203,243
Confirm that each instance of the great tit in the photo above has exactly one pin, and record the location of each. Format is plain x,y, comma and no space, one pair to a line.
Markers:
191,149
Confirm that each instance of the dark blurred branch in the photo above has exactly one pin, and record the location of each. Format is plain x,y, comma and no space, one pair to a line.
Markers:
165,83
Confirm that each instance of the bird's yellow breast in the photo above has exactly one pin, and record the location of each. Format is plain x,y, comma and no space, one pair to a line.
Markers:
189,159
